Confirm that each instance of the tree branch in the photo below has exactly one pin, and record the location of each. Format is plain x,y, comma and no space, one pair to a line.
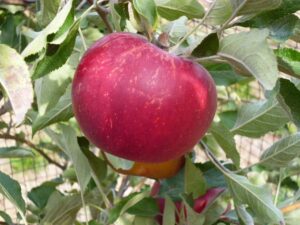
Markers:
33,146
103,13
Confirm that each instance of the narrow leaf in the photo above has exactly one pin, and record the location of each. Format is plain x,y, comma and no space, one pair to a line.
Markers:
6,217
173,9
67,141
40,42
258,118
54,61
289,61
50,88
11,190
288,96
169,212
194,182
258,199
15,79
147,9
220,12
15,152
251,52
61,209
281,153
208,47
62,111
226,140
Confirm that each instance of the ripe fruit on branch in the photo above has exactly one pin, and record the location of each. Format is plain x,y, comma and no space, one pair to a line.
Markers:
155,170
138,102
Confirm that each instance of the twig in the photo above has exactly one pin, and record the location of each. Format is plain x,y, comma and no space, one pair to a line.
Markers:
103,13
5,108
173,49
81,4
123,186
233,15
30,144
291,208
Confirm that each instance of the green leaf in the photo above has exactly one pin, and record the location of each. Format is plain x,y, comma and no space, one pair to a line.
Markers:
288,97
40,42
265,19
283,28
169,212
54,61
255,7
258,199
40,195
97,164
147,207
208,47
115,212
194,182
173,9
62,111
258,118
61,209
50,88
119,14
226,140
220,12
15,152
67,141
174,186
281,153
6,217
15,79
11,190
176,29
223,74
119,163
147,9
250,52
288,61
213,177
48,11
244,215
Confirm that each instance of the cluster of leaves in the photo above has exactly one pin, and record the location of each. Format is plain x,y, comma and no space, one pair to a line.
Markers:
39,52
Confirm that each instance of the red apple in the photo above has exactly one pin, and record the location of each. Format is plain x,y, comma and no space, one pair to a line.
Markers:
138,102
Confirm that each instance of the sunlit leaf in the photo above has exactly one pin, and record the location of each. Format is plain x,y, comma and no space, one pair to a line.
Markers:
282,152
15,79
173,9
257,118
251,52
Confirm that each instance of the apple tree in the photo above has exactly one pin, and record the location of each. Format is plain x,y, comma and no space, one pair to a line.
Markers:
140,104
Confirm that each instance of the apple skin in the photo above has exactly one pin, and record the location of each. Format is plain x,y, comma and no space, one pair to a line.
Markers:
138,102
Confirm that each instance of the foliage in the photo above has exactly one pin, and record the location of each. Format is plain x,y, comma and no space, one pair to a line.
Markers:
41,44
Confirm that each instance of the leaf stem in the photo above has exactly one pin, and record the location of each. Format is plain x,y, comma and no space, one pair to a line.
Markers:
213,159
174,48
233,15
82,39
84,207
103,13
278,187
